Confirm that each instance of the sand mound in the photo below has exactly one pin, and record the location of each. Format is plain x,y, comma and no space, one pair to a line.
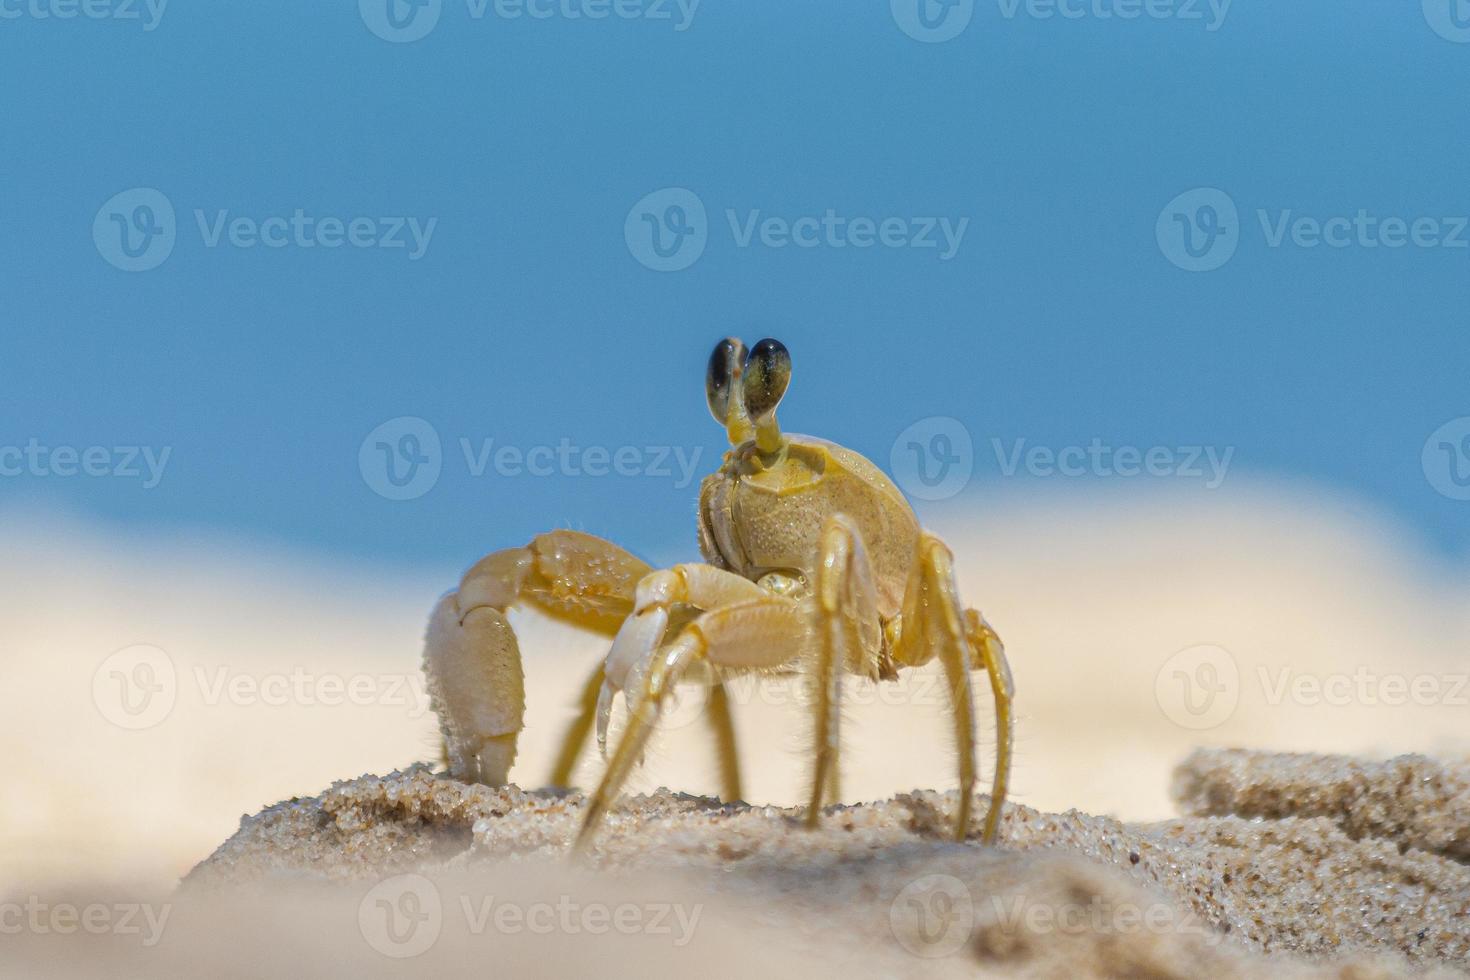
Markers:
1291,864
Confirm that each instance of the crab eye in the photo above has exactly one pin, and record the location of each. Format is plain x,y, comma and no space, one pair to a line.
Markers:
719,380
767,373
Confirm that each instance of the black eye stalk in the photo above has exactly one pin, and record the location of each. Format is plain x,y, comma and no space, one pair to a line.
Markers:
767,375
722,379
744,389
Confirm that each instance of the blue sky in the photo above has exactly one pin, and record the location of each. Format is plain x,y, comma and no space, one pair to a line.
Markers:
516,160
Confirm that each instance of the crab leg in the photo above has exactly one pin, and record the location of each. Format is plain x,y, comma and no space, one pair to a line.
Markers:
936,624
727,755
849,635
472,660
695,585
753,633
988,650
577,731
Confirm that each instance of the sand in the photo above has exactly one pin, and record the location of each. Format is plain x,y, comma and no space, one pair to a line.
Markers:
1283,865
97,816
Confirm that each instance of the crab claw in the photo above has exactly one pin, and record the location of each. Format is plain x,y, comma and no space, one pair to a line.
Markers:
627,662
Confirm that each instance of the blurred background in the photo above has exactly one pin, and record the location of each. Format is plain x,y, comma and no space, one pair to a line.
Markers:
1157,311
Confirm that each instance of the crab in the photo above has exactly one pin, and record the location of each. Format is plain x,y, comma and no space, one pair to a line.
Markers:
814,562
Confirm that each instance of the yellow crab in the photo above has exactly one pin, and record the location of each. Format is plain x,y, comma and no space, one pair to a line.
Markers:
814,561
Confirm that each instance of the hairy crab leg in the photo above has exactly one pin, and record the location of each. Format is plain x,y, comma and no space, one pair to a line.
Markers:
849,634
694,585
935,623
944,631
757,633
990,653
472,660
